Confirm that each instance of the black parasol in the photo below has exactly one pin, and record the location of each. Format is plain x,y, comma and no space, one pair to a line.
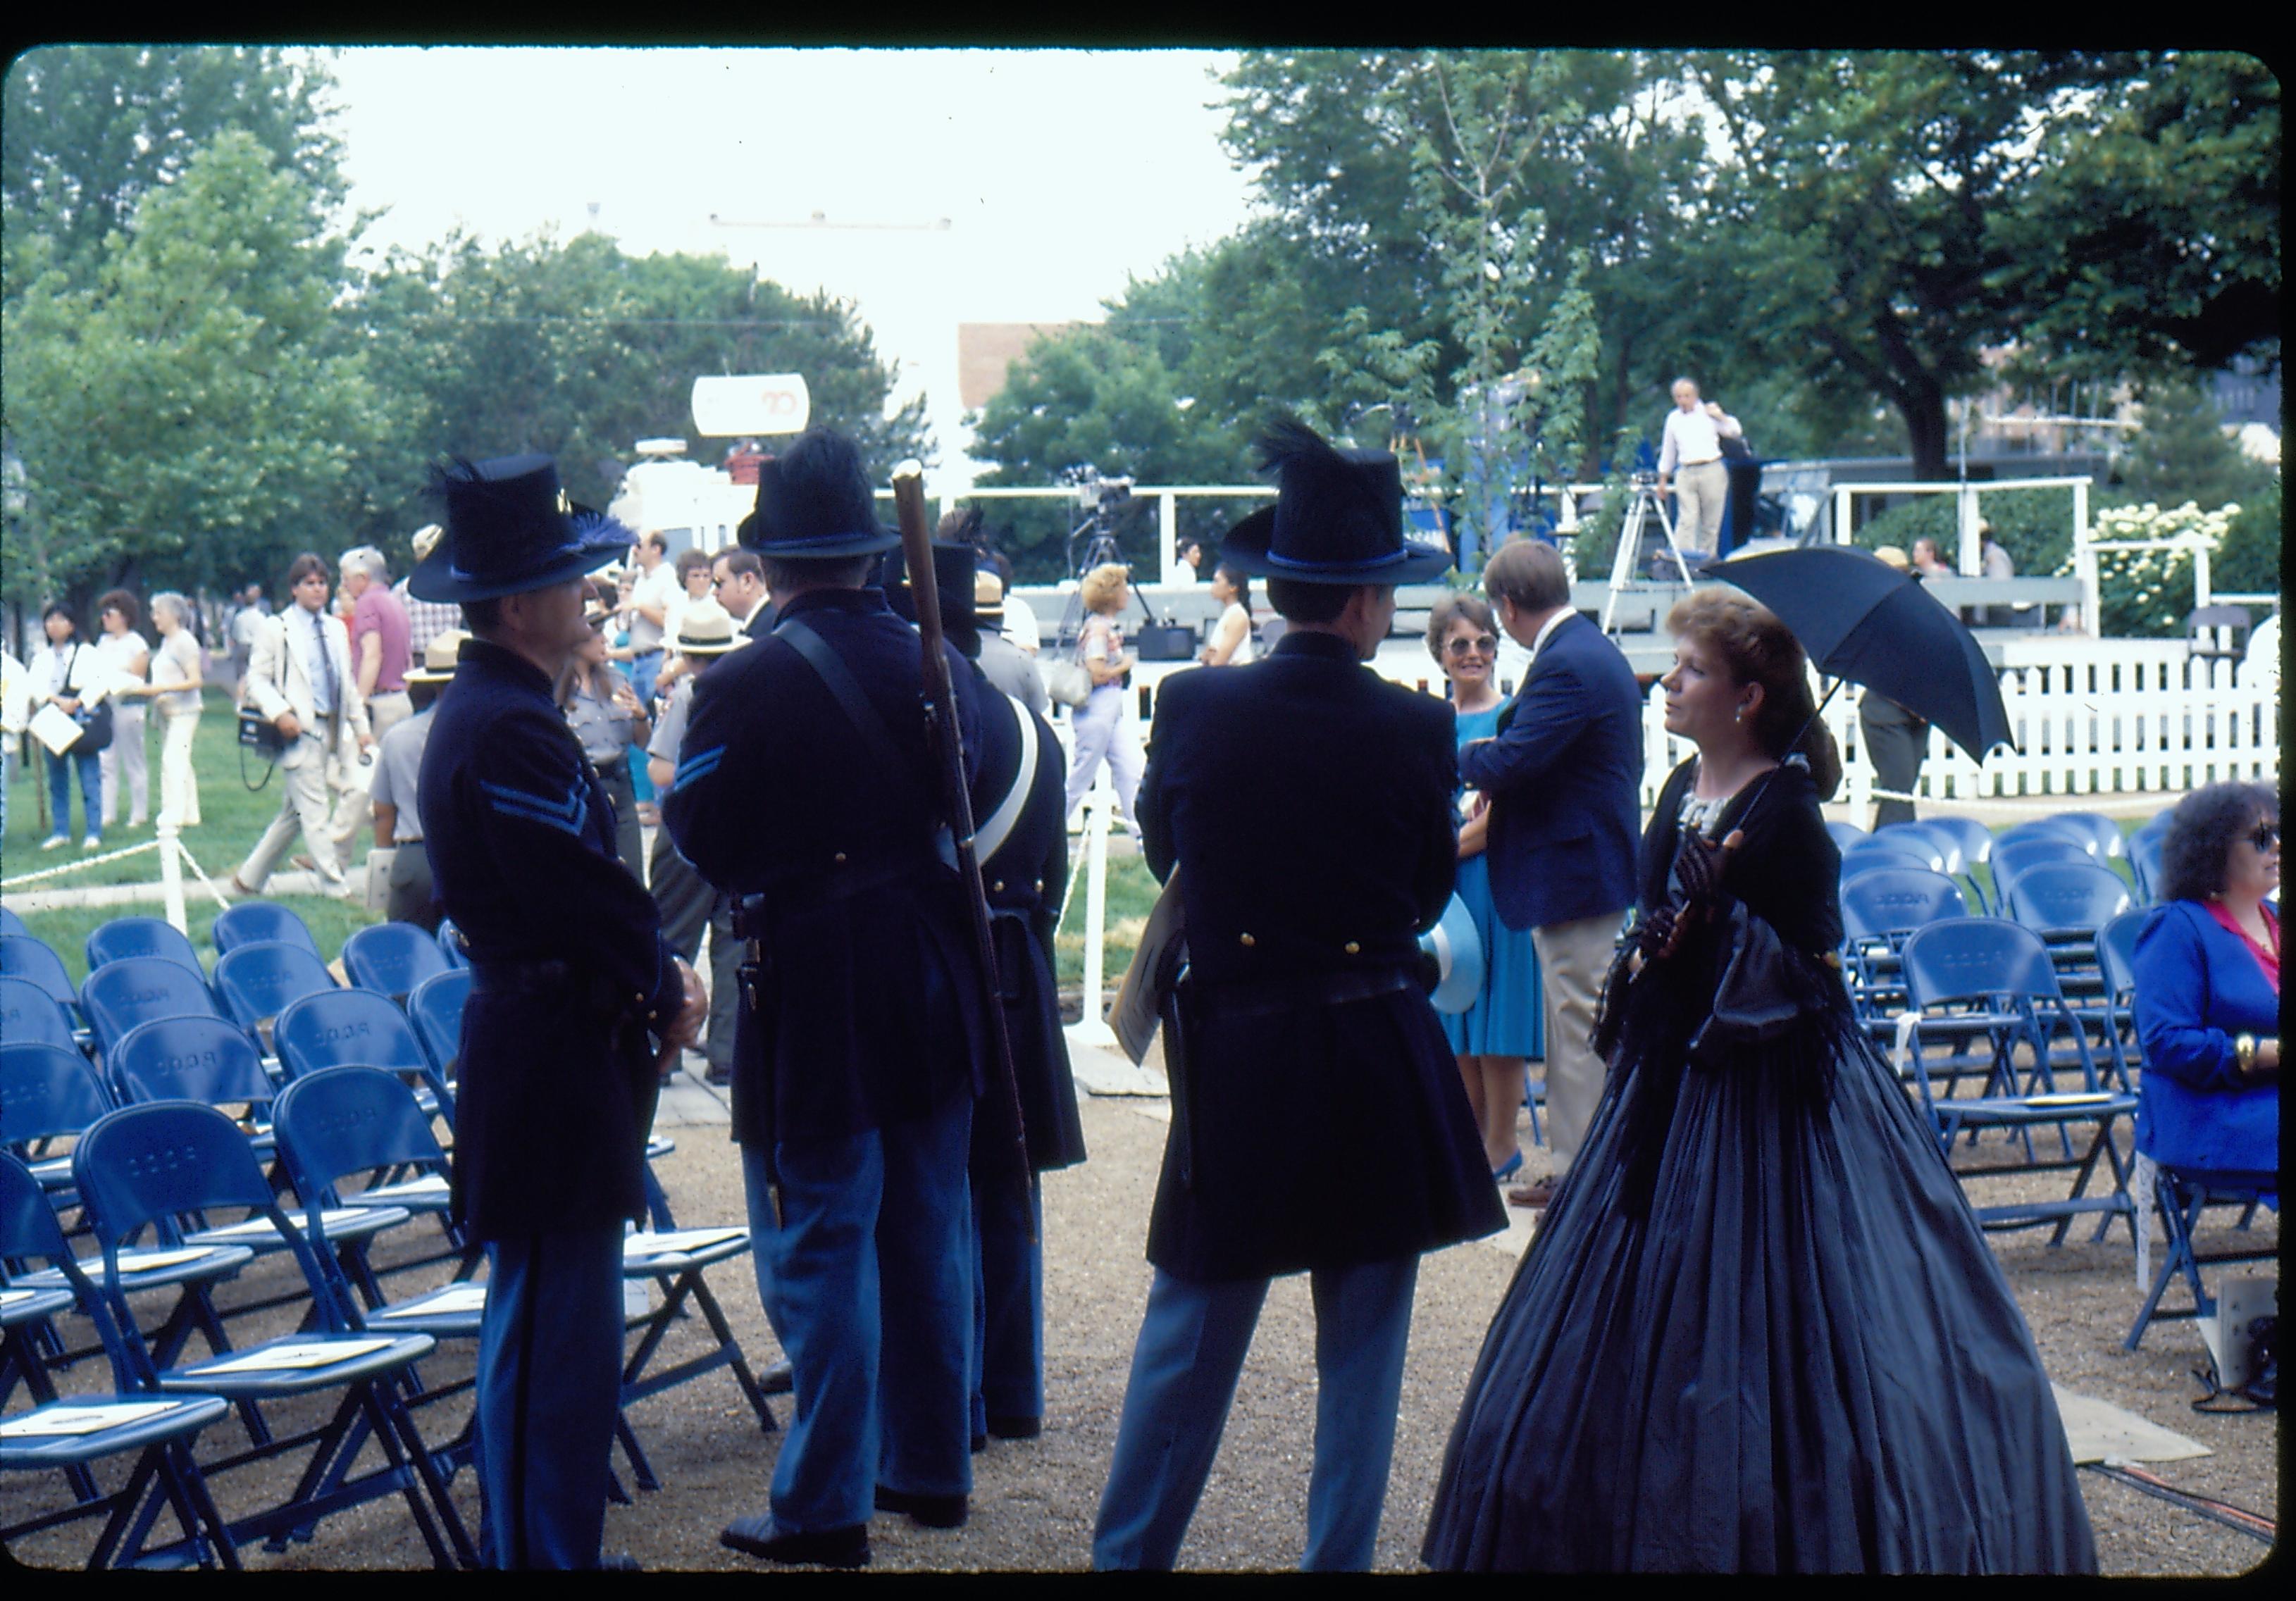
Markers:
1862,620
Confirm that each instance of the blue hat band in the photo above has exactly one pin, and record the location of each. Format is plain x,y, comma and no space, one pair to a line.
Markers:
1392,558
819,541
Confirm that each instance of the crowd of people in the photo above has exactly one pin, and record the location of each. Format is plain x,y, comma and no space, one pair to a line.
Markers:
1755,1285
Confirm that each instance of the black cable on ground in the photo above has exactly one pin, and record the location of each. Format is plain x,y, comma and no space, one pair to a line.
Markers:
2254,1525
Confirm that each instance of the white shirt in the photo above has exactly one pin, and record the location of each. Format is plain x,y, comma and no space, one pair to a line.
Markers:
172,663
1693,439
1546,631
661,588
15,694
303,640
72,668
1021,623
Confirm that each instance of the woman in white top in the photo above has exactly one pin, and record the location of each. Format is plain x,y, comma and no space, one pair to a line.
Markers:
128,655
1232,642
175,690
68,673
1101,733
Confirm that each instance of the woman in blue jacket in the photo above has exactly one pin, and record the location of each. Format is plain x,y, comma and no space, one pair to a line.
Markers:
2208,989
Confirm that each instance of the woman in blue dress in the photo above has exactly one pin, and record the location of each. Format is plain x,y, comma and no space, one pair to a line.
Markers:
1493,1037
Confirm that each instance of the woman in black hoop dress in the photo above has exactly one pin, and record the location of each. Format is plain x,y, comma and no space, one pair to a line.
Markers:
1759,1330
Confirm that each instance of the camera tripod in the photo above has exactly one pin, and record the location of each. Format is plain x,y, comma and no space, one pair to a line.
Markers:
1647,501
1099,551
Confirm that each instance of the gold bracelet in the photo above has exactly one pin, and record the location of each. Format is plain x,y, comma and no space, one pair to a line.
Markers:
2244,1052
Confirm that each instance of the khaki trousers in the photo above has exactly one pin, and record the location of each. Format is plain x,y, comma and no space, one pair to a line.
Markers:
303,810
1700,495
1574,959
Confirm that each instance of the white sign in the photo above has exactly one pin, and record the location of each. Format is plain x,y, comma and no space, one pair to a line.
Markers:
758,403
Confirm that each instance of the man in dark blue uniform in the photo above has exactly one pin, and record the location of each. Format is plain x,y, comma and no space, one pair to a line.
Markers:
1020,806
573,990
804,785
1307,806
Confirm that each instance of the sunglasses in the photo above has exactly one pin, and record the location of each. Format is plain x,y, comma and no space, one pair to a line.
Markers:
2266,836
1482,644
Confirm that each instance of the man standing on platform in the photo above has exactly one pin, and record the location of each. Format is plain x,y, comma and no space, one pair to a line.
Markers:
1563,778
573,996
1690,460
1302,1031
805,786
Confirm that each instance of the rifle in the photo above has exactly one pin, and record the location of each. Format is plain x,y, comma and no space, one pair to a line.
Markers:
956,797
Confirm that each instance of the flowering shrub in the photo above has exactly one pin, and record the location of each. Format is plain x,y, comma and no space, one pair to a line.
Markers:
2147,594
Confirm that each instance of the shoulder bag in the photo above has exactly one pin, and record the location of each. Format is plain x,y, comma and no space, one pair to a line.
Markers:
94,721
1066,679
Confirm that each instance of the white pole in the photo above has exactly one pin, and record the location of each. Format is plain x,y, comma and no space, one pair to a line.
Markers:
171,873
1092,1028
1167,529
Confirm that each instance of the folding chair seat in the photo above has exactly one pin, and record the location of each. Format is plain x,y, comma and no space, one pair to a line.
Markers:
121,996
1996,975
141,936
259,981
391,958
23,957
71,1434
47,1091
31,1016
2180,1197
10,923
145,1165
250,921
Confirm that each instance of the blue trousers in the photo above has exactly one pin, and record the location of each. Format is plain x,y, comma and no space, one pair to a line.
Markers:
549,1388
1008,1300
643,670
1192,1346
91,791
877,1220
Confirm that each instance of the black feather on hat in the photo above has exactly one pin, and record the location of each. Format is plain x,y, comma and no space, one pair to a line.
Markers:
1337,516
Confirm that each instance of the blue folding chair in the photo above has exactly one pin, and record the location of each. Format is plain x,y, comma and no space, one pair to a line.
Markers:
1976,843
435,1008
450,943
2099,834
1846,834
2014,858
2144,864
54,1436
2116,961
10,923
1945,843
141,936
2066,903
23,957
1913,837
391,958
146,1165
121,996
47,1091
1996,975
251,921
1869,856
1879,909
31,1016
2180,1197
261,980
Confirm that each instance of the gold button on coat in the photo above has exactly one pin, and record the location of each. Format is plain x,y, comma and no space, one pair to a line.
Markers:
1247,939
1353,949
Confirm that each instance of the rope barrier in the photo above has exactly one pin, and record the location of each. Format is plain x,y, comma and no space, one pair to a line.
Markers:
121,854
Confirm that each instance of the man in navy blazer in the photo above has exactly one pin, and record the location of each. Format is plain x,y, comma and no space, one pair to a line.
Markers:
1563,779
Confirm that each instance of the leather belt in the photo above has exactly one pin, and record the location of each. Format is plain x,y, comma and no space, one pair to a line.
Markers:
1253,997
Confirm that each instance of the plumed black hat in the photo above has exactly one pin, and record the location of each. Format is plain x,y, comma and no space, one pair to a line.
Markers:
510,528
953,577
814,499
1337,516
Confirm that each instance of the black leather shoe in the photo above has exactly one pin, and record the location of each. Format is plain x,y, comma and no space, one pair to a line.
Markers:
979,1443
1015,1425
620,1562
777,1379
933,1511
760,1536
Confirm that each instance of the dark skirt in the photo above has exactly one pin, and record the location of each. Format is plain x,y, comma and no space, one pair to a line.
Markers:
1803,1360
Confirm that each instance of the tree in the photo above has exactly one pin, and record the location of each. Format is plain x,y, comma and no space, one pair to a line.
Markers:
88,130
2182,453
192,415
576,349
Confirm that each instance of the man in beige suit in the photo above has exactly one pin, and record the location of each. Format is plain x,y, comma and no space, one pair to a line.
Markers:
299,676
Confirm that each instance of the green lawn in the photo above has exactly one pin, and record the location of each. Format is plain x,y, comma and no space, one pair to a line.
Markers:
232,817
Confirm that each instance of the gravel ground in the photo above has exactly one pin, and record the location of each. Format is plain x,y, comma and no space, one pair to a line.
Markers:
1034,1502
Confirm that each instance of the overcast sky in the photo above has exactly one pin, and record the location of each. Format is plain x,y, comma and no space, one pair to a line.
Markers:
1059,172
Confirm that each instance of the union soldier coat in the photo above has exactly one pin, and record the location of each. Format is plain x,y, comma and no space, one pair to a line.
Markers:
557,1083
869,1006
1320,1121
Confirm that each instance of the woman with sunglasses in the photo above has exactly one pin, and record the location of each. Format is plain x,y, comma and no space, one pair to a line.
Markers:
2207,992
604,712
1506,1024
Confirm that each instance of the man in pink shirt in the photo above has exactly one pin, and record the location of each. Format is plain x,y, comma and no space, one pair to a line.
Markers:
380,656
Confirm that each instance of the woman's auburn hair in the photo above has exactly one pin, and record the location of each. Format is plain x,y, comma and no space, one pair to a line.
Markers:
1757,648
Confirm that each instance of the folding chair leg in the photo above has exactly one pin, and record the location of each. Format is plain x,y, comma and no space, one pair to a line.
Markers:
376,1406
640,1469
735,1359
426,1469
